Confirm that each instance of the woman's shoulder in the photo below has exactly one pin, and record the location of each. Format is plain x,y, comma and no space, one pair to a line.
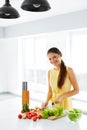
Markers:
51,70
69,70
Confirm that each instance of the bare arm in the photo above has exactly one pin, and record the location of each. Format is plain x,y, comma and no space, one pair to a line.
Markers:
75,85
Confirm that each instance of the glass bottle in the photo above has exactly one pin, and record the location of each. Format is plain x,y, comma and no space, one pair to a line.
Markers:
25,93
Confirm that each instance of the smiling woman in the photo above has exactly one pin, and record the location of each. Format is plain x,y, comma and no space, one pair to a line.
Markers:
35,63
26,58
62,82
29,61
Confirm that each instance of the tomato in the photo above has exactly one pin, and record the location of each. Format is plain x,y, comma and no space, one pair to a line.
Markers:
19,116
34,118
29,116
33,114
22,111
39,116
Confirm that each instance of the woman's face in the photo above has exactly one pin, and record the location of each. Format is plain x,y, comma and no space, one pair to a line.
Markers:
54,59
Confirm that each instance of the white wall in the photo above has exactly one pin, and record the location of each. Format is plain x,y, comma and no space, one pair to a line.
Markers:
8,65
12,64
68,21
1,32
3,66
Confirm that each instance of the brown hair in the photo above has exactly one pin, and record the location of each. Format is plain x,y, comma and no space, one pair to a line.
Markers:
63,71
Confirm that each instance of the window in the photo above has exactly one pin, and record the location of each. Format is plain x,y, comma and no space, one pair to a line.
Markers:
78,60
79,51
34,65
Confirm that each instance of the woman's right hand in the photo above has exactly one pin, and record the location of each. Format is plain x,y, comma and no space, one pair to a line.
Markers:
44,105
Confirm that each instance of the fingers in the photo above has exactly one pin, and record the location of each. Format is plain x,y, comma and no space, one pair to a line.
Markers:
43,105
56,101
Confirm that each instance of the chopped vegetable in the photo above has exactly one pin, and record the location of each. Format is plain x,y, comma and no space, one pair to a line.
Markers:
26,107
74,114
24,116
52,112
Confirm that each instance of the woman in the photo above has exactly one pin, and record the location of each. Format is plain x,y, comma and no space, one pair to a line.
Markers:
62,82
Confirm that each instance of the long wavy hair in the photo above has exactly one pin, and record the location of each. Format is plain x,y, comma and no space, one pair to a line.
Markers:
63,71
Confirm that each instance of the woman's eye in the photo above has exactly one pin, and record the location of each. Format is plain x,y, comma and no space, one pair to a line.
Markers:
54,57
49,59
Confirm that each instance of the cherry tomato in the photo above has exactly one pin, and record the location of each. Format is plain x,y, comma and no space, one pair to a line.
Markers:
34,118
22,111
29,116
19,116
39,116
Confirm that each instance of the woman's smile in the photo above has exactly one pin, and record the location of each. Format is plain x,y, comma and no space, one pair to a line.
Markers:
54,59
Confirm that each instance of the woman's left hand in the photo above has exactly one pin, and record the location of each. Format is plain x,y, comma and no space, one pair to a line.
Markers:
58,100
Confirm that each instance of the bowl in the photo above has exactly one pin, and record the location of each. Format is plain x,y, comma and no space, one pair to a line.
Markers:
74,115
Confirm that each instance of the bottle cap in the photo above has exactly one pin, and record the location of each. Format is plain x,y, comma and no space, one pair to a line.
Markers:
24,85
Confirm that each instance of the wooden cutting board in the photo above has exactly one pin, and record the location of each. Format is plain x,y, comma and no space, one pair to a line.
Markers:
56,117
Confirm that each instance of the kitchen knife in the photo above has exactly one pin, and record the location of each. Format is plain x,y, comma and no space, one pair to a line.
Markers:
51,105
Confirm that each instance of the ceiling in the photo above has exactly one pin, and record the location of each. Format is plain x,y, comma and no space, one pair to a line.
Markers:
58,7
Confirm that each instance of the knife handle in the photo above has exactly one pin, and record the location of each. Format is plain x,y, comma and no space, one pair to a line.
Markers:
52,103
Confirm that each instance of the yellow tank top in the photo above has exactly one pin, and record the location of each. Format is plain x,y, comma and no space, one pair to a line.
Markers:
66,102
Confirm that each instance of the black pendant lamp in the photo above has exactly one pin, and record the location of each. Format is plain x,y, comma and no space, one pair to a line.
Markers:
8,12
35,5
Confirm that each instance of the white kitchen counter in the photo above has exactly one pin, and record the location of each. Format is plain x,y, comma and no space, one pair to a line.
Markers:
10,108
